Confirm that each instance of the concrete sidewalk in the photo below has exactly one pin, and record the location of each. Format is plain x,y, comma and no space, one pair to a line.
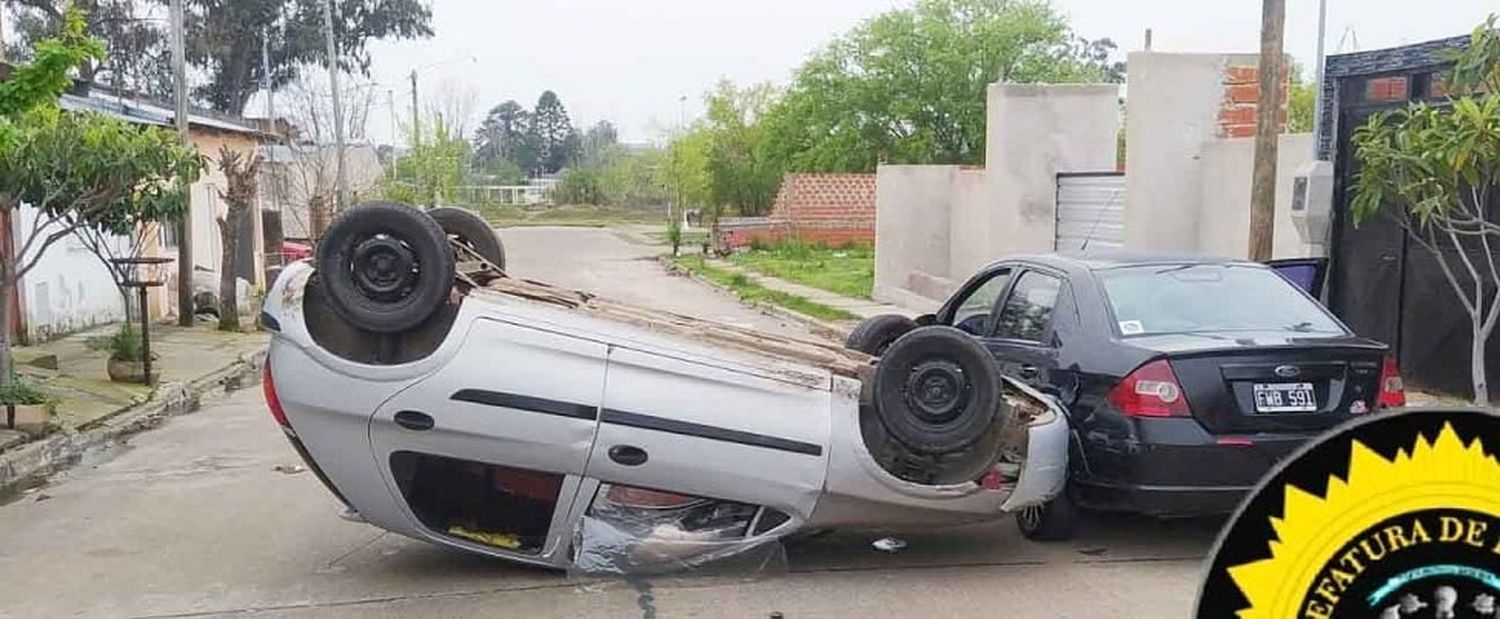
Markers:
864,308
189,360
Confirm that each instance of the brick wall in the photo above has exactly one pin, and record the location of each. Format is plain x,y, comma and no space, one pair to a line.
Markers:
831,209
1237,115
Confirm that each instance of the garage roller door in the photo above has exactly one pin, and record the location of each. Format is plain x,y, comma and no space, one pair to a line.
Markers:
1090,211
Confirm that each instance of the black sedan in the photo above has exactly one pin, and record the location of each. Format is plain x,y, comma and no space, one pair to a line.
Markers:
1186,378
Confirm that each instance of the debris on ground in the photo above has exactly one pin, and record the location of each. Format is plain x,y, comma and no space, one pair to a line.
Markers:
890,544
498,540
1094,552
289,470
42,497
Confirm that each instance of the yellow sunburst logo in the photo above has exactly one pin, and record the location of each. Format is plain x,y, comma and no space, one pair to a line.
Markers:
1324,545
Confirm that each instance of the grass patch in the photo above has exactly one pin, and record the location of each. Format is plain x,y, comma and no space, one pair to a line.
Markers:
754,293
574,216
848,271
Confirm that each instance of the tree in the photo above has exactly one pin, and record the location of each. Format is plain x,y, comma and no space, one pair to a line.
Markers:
72,172
1435,171
909,86
137,57
552,133
224,40
433,170
597,142
302,184
505,137
239,195
1302,99
739,170
581,186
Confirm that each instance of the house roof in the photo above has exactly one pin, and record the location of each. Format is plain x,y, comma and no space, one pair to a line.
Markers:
146,112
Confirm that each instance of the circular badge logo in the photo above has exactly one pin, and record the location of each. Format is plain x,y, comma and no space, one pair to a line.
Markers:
1392,517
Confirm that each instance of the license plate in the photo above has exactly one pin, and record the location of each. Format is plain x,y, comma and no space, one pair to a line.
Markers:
1285,398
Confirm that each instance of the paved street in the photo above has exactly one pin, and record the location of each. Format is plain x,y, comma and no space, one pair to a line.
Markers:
195,519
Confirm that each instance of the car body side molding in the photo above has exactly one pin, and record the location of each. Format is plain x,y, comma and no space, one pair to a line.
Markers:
674,426
527,403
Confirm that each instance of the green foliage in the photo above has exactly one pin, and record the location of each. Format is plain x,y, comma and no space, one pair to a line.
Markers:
581,186
909,86
847,271
684,173
138,57
556,140
740,176
674,234
1435,171
122,345
630,178
1302,102
45,78
224,40
505,138
20,391
755,294
433,170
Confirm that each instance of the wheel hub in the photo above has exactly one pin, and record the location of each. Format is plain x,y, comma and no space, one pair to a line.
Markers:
384,268
936,391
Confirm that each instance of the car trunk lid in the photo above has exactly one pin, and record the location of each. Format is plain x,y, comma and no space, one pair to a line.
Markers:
1221,377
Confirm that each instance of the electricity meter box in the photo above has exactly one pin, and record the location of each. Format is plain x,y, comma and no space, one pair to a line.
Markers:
1312,202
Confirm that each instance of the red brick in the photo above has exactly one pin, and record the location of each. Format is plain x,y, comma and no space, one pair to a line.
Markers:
1237,115
1245,93
1242,75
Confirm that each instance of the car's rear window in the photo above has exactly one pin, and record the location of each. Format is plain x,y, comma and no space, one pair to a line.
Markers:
1208,298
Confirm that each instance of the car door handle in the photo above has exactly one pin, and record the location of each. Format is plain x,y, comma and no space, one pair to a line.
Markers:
413,420
1029,372
628,455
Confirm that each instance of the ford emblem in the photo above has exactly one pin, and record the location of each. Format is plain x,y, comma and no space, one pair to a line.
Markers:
1288,371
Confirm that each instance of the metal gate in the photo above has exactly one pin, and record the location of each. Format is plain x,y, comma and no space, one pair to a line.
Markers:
1090,210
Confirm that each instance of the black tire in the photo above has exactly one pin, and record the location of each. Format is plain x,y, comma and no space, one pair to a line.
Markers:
1053,521
937,391
385,267
471,230
876,334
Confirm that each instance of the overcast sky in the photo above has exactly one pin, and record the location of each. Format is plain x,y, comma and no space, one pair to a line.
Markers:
629,61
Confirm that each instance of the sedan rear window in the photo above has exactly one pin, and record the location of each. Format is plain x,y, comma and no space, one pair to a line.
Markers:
1206,298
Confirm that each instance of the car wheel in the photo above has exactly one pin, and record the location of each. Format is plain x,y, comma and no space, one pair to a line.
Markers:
1055,520
937,391
471,231
876,334
385,267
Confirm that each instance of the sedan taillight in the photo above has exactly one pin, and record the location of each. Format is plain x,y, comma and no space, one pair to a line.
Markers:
268,386
1392,388
1152,390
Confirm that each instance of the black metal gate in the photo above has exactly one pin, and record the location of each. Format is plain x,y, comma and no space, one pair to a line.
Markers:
1382,283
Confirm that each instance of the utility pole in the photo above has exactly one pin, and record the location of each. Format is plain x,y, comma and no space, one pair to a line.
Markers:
1268,129
185,225
1318,74
338,107
416,120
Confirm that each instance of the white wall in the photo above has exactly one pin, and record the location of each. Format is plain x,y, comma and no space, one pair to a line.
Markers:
912,227
1224,226
936,225
69,290
1171,114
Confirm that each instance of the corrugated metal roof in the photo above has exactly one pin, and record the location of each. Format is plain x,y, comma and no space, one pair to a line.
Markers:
145,113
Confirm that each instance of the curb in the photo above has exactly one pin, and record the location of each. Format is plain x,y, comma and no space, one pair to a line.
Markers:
31,462
820,328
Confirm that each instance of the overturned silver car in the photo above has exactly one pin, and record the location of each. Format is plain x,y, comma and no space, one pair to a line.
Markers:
441,399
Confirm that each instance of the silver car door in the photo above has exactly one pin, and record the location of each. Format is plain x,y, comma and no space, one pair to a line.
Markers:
675,425
514,397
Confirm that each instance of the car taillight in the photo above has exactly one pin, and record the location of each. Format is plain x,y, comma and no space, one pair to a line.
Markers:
274,403
1151,390
1392,388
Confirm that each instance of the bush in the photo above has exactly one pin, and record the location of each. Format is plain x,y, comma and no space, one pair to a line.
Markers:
124,345
581,186
24,392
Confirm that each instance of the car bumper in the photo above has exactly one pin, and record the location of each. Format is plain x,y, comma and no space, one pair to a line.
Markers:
1176,467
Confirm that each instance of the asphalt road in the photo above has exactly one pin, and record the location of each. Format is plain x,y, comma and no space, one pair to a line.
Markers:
200,518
